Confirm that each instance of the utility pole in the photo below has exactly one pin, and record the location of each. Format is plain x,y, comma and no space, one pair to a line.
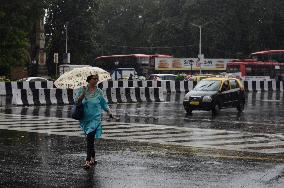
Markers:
200,55
66,37
67,55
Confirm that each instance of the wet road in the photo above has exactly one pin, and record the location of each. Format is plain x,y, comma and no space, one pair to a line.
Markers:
258,130
151,145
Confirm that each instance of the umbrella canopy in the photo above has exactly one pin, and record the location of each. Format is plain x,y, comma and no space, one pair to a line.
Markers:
77,77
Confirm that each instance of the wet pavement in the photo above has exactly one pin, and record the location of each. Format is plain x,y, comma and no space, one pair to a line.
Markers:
39,160
150,145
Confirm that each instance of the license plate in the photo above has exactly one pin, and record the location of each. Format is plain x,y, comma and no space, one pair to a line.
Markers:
195,103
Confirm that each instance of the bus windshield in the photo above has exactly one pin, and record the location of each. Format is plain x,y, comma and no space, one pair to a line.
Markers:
269,55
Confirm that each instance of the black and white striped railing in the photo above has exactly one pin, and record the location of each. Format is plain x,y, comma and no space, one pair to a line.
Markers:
7,87
134,94
264,85
130,83
167,86
42,96
185,86
65,96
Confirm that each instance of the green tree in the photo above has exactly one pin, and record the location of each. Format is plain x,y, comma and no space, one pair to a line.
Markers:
17,22
102,27
80,18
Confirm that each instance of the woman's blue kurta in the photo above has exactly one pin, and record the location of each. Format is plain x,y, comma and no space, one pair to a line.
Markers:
93,104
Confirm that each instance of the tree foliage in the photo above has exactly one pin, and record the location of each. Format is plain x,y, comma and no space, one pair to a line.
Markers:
17,22
78,19
103,27
233,26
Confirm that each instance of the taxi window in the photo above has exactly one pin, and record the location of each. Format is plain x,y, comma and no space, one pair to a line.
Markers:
234,84
225,86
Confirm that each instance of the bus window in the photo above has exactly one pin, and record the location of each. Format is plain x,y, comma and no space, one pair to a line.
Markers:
233,68
278,57
143,60
248,70
260,57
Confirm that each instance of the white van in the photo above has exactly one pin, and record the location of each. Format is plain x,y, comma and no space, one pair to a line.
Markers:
162,77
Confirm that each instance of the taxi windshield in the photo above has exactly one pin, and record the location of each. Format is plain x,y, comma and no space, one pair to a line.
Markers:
208,85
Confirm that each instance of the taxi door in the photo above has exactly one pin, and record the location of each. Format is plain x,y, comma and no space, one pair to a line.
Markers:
235,90
225,94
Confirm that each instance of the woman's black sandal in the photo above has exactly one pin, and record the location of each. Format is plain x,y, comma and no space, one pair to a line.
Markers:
93,162
88,165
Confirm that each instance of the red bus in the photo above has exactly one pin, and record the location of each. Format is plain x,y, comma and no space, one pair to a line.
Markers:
142,63
268,63
269,55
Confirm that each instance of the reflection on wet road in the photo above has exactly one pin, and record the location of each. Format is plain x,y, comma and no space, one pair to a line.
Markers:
259,129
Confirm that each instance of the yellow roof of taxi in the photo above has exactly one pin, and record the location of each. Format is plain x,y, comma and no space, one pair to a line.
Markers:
218,78
204,75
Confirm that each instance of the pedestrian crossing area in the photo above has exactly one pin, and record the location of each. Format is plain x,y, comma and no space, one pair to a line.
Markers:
152,133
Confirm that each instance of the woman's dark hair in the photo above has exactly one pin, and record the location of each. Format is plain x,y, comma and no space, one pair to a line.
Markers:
89,77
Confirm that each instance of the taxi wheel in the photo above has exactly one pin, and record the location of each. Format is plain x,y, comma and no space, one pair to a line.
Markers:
240,107
215,109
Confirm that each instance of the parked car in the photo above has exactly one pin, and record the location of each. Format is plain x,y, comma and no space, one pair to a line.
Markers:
162,77
214,94
32,79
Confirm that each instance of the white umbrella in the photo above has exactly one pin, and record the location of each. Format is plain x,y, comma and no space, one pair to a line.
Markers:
77,77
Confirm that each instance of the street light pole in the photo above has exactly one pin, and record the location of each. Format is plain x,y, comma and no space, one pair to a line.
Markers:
200,39
200,54
67,55
66,37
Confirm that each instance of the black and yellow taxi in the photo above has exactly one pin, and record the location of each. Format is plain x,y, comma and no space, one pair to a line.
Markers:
215,93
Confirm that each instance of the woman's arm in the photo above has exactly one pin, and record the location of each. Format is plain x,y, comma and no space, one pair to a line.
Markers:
104,104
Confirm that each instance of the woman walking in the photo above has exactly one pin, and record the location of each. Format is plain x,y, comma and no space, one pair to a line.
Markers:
94,102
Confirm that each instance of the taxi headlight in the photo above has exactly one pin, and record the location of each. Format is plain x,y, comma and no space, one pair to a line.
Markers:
206,99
